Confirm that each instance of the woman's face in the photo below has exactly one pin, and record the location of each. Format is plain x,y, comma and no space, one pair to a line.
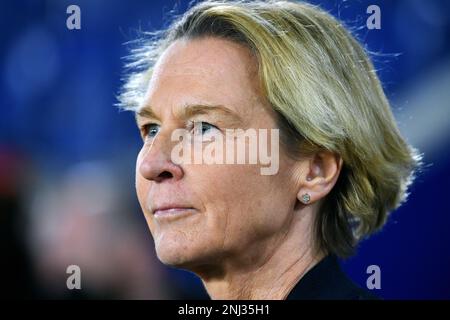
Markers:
216,214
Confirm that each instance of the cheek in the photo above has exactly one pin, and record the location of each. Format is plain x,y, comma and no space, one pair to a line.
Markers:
243,205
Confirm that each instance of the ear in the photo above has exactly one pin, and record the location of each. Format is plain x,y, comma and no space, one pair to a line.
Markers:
321,174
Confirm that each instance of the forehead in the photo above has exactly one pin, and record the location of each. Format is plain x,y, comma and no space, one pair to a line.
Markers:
206,56
206,68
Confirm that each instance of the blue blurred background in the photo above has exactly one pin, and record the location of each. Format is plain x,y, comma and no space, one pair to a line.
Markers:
67,155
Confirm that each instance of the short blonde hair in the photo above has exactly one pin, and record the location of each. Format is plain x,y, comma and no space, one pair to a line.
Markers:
323,86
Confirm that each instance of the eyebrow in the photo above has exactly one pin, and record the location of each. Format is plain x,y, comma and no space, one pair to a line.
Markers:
145,112
191,110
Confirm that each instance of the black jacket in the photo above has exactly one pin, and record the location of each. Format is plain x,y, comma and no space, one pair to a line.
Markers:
326,281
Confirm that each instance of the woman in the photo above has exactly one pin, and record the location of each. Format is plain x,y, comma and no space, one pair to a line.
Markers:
342,163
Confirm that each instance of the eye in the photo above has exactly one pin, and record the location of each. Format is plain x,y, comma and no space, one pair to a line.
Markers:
150,130
201,128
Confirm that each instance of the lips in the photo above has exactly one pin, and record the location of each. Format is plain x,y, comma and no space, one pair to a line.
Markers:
170,204
170,209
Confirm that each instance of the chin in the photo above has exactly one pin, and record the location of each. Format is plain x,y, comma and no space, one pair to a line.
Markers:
176,253
174,258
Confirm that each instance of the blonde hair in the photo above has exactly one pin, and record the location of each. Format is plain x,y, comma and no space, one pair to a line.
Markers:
324,88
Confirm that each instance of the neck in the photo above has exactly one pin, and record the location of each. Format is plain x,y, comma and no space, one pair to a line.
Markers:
273,271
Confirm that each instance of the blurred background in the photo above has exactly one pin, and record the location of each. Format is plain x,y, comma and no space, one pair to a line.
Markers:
67,155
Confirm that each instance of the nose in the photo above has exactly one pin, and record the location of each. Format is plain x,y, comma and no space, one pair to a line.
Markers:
155,164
